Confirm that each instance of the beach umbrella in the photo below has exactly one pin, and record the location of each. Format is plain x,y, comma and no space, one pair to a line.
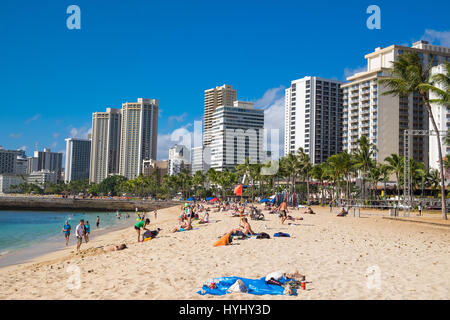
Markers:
209,198
272,197
191,199
214,199
264,200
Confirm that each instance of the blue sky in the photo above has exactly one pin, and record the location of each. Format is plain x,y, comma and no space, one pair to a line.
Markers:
53,78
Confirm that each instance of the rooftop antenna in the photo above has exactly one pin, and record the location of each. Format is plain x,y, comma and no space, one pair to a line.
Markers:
37,146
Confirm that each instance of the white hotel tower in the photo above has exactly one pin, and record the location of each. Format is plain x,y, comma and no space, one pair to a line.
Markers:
313,118
382,119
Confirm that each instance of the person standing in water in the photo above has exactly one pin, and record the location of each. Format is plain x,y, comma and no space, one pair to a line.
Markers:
87,231
97,223
66,229
80,233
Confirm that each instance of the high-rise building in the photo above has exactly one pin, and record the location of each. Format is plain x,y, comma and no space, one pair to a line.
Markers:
78,153
159,168
46,161
201,159
442,118
179,159
105,144
138,139
237,134
313,118
220,96
383,118
10,161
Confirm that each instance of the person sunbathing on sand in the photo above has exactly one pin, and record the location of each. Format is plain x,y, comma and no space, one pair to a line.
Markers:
309,211
115,248
205,218
244,229
343,213
184,227
291,218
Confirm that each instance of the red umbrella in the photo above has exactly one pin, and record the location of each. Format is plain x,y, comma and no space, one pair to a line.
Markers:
213,200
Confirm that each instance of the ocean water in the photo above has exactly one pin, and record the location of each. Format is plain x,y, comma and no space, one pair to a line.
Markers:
23,233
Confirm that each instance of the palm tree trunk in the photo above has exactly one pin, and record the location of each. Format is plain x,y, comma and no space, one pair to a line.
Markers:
441,164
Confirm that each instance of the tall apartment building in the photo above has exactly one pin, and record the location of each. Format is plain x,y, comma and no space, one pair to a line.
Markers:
442,118
313,118
105,144
237,133
179,159
220,96
78,154
11,161
159,168
382,119
201,159
138,139
46,161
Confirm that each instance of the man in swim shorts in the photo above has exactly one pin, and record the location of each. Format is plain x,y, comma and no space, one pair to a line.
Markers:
283,211
66,229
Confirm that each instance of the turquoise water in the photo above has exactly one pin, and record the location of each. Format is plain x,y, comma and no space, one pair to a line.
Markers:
23,229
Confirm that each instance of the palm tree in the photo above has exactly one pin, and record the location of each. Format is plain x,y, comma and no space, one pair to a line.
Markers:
363,157
318,173
408,76
395,165
305,166
385,172
434,180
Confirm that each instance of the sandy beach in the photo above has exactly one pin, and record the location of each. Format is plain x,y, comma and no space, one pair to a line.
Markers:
337,255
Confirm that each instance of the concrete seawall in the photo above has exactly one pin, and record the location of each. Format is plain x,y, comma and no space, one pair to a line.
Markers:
57,204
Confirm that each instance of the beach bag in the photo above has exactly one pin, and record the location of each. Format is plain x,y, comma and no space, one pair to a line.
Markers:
263,235
224,241
238,286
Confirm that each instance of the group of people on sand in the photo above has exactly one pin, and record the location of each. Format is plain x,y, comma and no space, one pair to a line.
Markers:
82,231
190,212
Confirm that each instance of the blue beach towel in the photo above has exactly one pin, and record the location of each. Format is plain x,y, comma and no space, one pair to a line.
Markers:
254,286
281,234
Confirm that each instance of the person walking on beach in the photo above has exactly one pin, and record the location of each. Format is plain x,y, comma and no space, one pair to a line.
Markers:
156,214
141,224
87,231
66,229
283,211
80,233
97,223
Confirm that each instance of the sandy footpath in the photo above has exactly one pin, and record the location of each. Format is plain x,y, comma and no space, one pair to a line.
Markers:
342,258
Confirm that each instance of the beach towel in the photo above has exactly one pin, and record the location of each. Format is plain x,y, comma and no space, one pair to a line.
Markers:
281,234
224,241
254,286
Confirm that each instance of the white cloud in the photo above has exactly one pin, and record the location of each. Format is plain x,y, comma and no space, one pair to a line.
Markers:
55,135
81,133
34,118
15,135
178,118
269,97
54,145
178,136
24,148
437,37
348,72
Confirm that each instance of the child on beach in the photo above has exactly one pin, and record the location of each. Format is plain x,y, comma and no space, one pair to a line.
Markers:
97,223
66,229
87,231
